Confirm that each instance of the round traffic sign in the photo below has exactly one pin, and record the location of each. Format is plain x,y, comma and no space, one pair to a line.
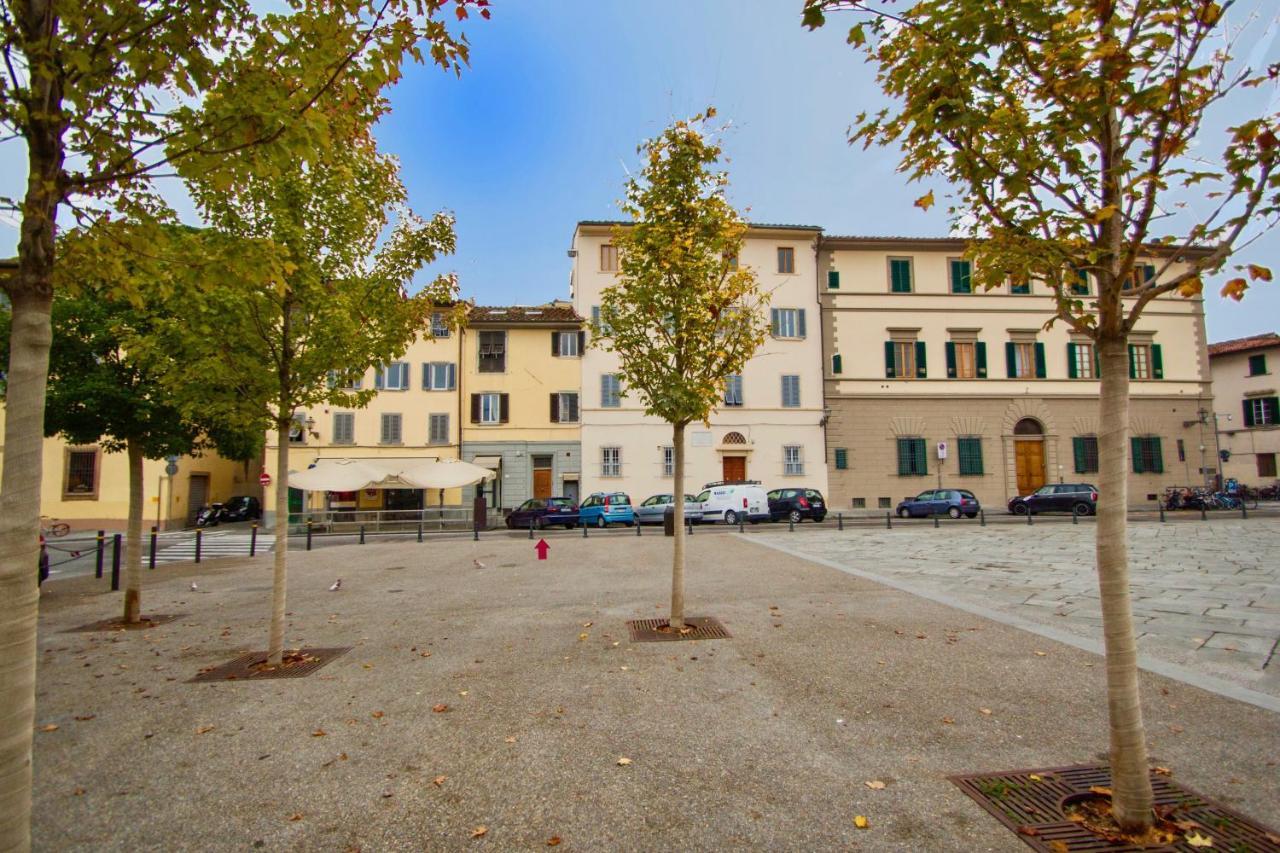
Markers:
264,478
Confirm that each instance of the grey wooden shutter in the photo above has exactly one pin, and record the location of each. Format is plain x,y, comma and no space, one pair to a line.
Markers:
503,408
800,323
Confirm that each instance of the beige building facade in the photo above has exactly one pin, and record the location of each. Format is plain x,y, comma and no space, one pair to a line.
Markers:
929,384
1246,393
769,426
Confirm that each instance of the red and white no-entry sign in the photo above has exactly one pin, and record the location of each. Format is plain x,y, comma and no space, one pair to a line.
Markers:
264,478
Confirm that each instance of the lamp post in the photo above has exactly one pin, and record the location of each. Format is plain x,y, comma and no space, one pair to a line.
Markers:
1217,446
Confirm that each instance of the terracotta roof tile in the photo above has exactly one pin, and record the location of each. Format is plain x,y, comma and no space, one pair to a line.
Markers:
554,315
1253,342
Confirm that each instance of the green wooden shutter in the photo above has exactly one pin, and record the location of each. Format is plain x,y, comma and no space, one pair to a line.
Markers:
951,359
1011,359
1133,363
833,279
1040,366
842,459
1157,362
888,360
921,461
1097,363
773,322
1077,450
1135,451
922,370
1158,462
904,457
800,323
1072,373
980,348
1148,272
1248,413
836,363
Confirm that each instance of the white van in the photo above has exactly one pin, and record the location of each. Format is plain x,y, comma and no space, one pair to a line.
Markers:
729,502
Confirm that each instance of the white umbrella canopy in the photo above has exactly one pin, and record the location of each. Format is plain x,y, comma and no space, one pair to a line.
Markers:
445,474
349,475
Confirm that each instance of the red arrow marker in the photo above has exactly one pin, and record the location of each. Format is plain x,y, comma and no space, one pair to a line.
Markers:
542,548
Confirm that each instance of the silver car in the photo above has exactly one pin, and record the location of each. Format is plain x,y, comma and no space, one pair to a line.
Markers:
651,511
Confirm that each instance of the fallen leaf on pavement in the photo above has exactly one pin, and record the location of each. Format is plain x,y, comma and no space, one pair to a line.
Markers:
463,692
1041,654
1163,771
874,784
922,636
1177,730
1099,789
583,636
78,792
203,730
86,717
479,831
53,727
319,733
377,715
861,822
511,740
948,721
623,762
1028,830
439,780
1034,777
440,708
553,841
296,816
1058,847
986,712
587,624
1195,839
425,654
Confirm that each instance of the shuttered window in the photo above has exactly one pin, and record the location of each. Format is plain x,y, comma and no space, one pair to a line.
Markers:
438,429
392,377
492,354
1085,450
961,276
344,428
567,344
900,359
733,390
439,325
391,432
1079,282
912,461
969,449
1261,411
439,376
786,259
833,279
1080,361
610,391
1147,458
564,408
900,275
791,392
787,322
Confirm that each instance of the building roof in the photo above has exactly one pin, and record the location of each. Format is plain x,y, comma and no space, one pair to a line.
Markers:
1253,342
776,226
959,243
551,314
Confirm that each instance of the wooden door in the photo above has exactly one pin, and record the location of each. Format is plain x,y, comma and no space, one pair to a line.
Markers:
1030,461
541,483
735,468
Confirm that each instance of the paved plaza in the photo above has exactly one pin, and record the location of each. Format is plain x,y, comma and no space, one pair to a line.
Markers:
1206,596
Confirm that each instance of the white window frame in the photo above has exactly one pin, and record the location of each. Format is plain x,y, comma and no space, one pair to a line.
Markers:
795,381
1024,359
397,370
298,428
431,381
490,408
568,341
733,395
439,328
793,460
431,422
1263,415
610,461
1084,361
1141,361
668,461
577,406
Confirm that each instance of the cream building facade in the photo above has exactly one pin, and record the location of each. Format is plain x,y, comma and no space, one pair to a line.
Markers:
1246,393
770,426
917,366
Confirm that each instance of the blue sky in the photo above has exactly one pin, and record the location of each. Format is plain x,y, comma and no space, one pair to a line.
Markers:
538,133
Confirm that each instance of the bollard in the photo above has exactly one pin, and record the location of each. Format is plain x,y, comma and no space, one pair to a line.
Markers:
1162,513
419,530
199,536
688,525
1244,513
115,562
935,521
740,522
982,518
97,571
253,539
308,534
475,534
638,526
531,528
791,525
151,560
1203,515
1075,516
1029,521
362,534
839,521
888,520
584,530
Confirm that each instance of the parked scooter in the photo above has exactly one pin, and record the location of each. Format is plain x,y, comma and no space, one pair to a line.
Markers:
209,515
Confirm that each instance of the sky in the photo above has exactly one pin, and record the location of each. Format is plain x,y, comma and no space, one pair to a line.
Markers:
541,130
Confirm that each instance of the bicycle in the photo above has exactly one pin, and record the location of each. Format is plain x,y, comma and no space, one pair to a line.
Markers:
55,529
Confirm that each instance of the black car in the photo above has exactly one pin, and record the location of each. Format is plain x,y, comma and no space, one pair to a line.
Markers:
543,512
796,505
242,508
1079,498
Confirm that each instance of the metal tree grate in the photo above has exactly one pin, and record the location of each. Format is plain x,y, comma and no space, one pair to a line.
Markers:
147,622
252,666
1034,809
659,630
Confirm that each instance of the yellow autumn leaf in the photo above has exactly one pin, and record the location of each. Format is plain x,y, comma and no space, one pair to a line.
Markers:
925,201
1035,777
1235,289
861,822
874,784
1191,287
624,761
1195,839
1256,272
1105,213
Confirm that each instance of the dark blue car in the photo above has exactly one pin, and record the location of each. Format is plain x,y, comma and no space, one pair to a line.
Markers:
952,502
544,512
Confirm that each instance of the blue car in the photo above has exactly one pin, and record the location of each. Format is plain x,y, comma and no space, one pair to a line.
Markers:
952,502
605,508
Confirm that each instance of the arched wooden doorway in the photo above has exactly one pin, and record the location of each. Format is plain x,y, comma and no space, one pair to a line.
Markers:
1028,448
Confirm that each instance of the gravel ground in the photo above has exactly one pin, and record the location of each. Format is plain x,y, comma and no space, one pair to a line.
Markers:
763,740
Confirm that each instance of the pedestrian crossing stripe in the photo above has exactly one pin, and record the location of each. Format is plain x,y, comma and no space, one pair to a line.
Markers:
215,545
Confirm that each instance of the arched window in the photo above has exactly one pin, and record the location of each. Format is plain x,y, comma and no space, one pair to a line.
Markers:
1028,426
735,438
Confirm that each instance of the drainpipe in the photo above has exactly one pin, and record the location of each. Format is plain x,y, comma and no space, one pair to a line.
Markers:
458,388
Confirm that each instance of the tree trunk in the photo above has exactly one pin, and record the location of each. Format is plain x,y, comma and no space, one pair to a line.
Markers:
1130,783
677,551
275,642
133,540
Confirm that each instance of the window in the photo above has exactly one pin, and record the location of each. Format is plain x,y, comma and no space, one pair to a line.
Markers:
1080,361
833,279
566,344
344,428
392,377
1257,364
298,428
668,461
1139,361
911,458
564,408
1261,411
969,449
390,433
439,376
961,276
792,460
608,258
1266,464
964,359
884,503
786,259
837,363
787,322
900,275
1079,283
842,458
598,321
440,325
1182,451
611,462
493,352
81,479
488,408
1020,285
1085,450
610,391
904,360
791,392
438,429
732,261
1147,458
859,503
1024,359
733,390
1142,273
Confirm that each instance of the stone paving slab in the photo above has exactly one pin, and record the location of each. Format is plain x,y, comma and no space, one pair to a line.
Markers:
762,741
1190,582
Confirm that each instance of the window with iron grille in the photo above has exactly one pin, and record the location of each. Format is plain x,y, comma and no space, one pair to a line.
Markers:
911,458
969,449
792,459
439,325
733,390
1085,450
1147,458
610,391
391,432
438,429
493,352
842,458
791,392
668,461
344,428
611,462
82,473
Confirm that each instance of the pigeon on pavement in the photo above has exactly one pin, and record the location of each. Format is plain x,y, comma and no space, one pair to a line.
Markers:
337,585
478,564
194,587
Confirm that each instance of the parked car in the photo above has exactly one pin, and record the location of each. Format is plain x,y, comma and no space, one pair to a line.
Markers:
605,508
729,502
796,505
242,508
952,502
544,512
652,509
1081,498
